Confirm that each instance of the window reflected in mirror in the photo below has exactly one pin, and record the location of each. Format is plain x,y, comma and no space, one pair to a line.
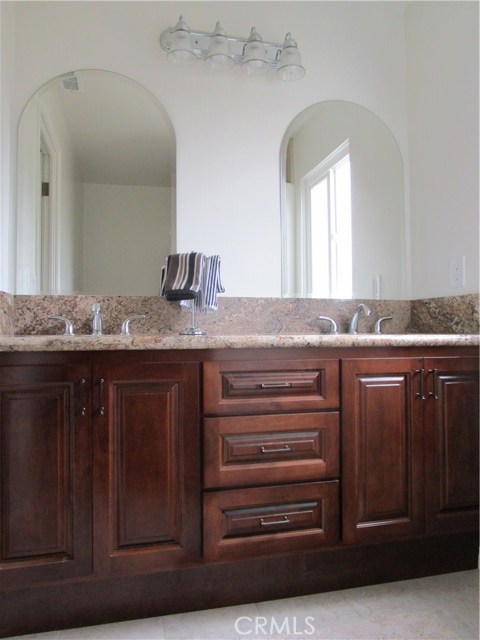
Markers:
326,208
343,214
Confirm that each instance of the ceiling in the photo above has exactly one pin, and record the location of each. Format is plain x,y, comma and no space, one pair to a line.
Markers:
118,130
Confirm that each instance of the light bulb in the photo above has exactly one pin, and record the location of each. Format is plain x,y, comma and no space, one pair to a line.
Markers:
254,55
181,48
290,62
219,57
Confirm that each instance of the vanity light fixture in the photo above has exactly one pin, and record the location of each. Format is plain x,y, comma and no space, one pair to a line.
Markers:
221,51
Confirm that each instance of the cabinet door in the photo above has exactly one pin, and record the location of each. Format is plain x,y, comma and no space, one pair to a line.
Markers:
451,444
382,438
45,466
146,469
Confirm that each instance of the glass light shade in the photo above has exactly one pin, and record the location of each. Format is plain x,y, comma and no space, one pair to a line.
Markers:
254,55
219,57
290,62
181,47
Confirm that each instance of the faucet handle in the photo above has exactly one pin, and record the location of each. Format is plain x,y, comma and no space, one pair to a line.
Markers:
69,327
125,330
333,324
378,324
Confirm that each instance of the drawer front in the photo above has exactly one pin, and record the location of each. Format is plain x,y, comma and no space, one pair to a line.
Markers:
252,450
269,386
266,520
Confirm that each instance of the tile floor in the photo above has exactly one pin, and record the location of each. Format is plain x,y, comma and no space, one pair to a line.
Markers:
436,608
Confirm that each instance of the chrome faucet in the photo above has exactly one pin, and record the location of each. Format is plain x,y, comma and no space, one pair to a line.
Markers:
69,329
378,324
333,325
125,330
353,326
97,321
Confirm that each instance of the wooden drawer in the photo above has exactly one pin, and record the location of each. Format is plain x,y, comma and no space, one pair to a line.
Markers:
269,386
252,450
264,520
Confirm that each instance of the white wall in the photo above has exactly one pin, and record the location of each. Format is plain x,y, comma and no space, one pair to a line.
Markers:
229,127
442,39
137,220
7,145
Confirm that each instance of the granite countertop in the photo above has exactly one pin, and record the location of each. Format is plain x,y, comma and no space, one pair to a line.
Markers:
140,342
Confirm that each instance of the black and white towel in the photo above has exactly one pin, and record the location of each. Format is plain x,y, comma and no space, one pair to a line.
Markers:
192,277
182,277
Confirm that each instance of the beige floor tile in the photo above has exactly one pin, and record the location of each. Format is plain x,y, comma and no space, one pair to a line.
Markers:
435,608
212,624
148,629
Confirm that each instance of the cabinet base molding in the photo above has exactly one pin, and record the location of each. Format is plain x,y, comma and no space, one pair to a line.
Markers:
90,601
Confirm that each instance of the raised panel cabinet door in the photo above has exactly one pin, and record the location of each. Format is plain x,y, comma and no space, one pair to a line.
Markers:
45,468
146,469
451,444
382,445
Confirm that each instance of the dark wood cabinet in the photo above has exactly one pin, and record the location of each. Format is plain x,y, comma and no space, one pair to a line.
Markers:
410,447
100,468
451,444
146,466
142,483
382,443
46,473
271,428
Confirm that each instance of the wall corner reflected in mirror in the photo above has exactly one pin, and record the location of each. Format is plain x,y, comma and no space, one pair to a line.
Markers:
108,156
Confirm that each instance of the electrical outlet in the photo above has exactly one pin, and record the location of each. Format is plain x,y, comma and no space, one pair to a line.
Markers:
457,272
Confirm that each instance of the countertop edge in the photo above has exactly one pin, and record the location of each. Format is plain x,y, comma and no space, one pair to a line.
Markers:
178,342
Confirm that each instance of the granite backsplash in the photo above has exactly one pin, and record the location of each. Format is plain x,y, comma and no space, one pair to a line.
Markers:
7,314
27,315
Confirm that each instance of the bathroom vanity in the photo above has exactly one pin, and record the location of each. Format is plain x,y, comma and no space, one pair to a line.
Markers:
145,476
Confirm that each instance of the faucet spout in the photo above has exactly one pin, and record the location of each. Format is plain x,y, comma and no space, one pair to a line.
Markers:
353,326
97,320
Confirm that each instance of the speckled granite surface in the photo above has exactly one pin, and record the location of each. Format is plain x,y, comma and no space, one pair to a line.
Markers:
238,323
456,314
235,316
7,323
139,343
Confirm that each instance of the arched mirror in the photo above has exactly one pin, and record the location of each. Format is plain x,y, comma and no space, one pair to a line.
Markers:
343,211
96,188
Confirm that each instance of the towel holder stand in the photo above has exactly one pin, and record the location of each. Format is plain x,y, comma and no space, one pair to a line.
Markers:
193,330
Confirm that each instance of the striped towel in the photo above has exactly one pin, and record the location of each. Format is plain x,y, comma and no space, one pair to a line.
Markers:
182,278
211,284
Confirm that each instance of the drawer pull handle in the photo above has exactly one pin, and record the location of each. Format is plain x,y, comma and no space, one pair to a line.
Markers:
279,450
268,523
276,385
